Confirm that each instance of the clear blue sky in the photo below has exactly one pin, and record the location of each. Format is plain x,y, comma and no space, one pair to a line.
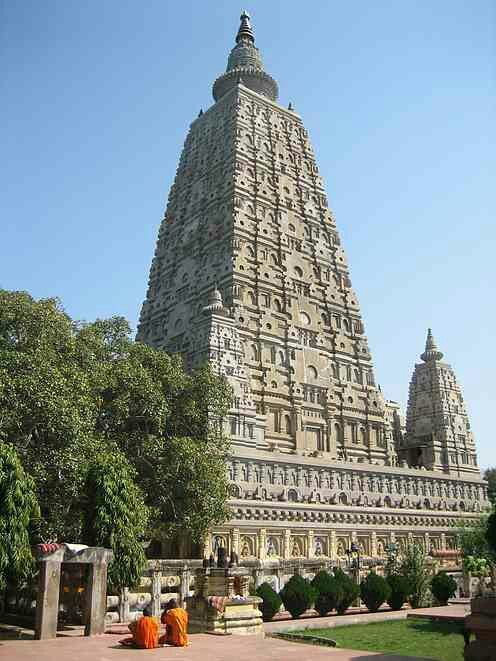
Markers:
399,101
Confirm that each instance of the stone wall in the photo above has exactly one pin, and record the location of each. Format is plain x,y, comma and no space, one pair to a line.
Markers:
167,579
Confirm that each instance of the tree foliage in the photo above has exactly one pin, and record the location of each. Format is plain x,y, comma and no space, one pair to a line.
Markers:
374,591
115,516
271,601
490,476
443,587
18,510
491,534
329,592
400,588
474,545
348,591
297,595
414,568
69,390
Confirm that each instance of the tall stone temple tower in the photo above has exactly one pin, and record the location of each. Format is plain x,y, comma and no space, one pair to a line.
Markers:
250,274
438,432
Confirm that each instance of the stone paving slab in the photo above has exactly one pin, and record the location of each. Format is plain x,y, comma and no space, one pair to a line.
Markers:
453,613
203,647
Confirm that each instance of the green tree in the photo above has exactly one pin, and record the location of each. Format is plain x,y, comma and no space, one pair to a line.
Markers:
297,595
115,516
329,592
271,601
443,587
400,588
374,591
348,591
491,533
69,390
18,510
414,568
473,542
46,406
490,476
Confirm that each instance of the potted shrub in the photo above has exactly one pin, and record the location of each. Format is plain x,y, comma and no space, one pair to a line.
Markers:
271,601
374,591
297,595
400,588
443,587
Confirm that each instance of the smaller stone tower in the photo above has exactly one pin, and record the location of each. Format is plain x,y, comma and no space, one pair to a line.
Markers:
438,432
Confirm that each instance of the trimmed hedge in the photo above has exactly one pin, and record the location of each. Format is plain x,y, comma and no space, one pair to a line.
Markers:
374,591
443,587
297,595
400,588
271,601
329,592
348,591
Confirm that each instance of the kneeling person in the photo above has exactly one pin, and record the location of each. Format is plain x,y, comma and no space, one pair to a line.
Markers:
176,625
145,632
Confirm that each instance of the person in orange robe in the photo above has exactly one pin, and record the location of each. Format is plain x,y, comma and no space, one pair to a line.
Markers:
176,625
145,632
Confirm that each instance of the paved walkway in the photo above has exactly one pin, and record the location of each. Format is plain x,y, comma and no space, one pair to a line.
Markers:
458,611
73,647
203,647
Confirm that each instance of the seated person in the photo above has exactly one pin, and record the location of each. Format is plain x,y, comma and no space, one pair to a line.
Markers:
145,632
176,625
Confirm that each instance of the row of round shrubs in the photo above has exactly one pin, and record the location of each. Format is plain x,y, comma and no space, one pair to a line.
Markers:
337,591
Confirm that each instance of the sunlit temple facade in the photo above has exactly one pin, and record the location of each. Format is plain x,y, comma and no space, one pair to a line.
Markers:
249,273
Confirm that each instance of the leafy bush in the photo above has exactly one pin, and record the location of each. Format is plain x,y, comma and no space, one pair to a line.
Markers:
491,532
400,587
18,510
329,592
271,601
443,587
348,591
414,568
374,591
115,517
297,595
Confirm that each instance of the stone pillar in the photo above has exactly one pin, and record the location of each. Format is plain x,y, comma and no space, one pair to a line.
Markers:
262,543
370,436
332,545
124,605
286,546
207,550
310,550
299,433
185,580
156,592
235,540
427,542
443,542
96,599
373,544
47,601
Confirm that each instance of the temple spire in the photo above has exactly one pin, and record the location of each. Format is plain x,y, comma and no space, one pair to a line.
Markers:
431,352
244,66
245,33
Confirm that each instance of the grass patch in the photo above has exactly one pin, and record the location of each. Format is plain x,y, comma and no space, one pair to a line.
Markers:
441,641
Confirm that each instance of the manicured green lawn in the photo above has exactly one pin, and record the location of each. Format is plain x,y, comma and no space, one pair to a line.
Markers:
441,641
